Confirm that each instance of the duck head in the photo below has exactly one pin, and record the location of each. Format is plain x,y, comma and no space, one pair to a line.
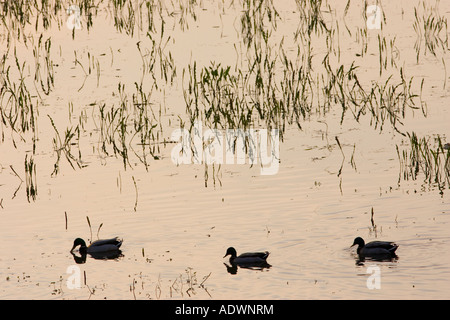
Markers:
358,241
79,242
231,251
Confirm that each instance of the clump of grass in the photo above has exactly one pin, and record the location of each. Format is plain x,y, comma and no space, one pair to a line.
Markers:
124,19
186,9
221,97
48,83
188,284
92,64
157,56
30,178
63,146
311,20
388,53
431,29
256,14
18,108
428,158
16,16
119,126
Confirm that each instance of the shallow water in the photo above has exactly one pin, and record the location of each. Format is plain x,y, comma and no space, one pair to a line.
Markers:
176,230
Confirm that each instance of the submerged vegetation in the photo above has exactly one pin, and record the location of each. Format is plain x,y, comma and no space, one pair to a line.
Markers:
280,80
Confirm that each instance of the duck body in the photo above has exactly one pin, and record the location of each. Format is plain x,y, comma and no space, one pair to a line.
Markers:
375,248
247,258
98,246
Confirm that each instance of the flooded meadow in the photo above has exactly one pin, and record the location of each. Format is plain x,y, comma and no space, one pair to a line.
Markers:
186,127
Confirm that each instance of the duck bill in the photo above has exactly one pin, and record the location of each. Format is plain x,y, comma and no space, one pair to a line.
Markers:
71,250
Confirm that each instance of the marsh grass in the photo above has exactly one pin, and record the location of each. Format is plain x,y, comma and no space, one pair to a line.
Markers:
92,64
272,88
63,146
30,178
18,108
388,53
256,14
90,230
311,20
227,99
46,81
143,16
156,57
120,124
119,127
186,284
427,158
20,19
431,30
277,82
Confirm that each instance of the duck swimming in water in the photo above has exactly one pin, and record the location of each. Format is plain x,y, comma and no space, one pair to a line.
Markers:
99,246
246,258
375,249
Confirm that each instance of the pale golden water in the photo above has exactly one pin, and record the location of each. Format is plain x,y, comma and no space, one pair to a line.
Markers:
176,229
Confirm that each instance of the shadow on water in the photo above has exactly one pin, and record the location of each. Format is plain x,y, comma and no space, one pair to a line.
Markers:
361,259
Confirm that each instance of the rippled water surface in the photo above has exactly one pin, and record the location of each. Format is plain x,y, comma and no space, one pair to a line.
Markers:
178,220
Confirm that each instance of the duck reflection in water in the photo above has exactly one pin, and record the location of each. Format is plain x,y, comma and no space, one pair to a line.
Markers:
233,268
80,258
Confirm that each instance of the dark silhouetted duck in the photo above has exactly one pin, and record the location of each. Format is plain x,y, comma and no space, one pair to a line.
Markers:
246,258
375,249
99,246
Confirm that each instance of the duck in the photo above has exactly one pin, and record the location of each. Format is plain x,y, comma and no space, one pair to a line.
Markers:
246,258
98,246
375,248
